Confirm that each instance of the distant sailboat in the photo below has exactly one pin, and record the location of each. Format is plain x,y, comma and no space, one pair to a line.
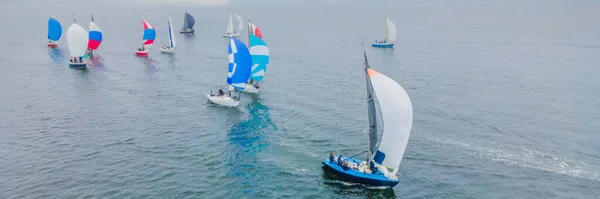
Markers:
390,35
77,38
396,117
148,38
171,47
240,62
54,32
260,58
188,23
95,37
230,31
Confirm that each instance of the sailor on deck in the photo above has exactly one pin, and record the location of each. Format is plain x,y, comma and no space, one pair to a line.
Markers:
331,158
221,93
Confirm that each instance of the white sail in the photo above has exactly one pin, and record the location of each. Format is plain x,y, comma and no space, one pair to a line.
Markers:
391,30
77,37
171,34
397,116
230,25
240,26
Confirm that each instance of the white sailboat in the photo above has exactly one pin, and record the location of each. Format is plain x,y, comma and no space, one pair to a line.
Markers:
170,49
390,35
389,103
230,31
240,62
77,38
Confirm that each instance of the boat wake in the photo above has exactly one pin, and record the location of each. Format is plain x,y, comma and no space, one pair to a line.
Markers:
522,157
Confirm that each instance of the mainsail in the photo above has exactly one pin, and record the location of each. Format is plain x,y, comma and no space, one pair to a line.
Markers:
230,25
372,111
171,34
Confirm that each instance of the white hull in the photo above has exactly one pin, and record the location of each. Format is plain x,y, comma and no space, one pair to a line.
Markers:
231,35
250,89
223,100
167,50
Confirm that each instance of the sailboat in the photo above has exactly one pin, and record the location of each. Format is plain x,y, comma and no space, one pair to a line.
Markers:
230,31
395,115
240,62
95,37
188,23
77,37
148,39
54,32
260,58
390,35
171,47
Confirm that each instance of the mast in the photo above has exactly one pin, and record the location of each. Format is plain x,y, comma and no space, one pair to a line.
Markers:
372,111
92,18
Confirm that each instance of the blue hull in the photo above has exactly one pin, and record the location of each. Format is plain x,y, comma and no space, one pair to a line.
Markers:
383,45
77,65
377,179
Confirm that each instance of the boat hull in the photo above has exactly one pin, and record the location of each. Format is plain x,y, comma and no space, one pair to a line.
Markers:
52,45
377,179
167,50
383,45
77,65
231,35
141,53
250,89
189,31
223,100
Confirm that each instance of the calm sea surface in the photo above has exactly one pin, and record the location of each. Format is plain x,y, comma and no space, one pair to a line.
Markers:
505,97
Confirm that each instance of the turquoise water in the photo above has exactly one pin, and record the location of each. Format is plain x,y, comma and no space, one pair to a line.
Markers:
504,94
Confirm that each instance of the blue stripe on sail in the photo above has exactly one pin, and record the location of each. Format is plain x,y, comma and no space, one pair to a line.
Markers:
54,29
149,34
95,35
239,70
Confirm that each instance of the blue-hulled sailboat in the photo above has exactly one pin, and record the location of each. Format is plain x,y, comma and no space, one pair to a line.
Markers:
260,59
383,161
54,32
240,63
188,23
390,35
